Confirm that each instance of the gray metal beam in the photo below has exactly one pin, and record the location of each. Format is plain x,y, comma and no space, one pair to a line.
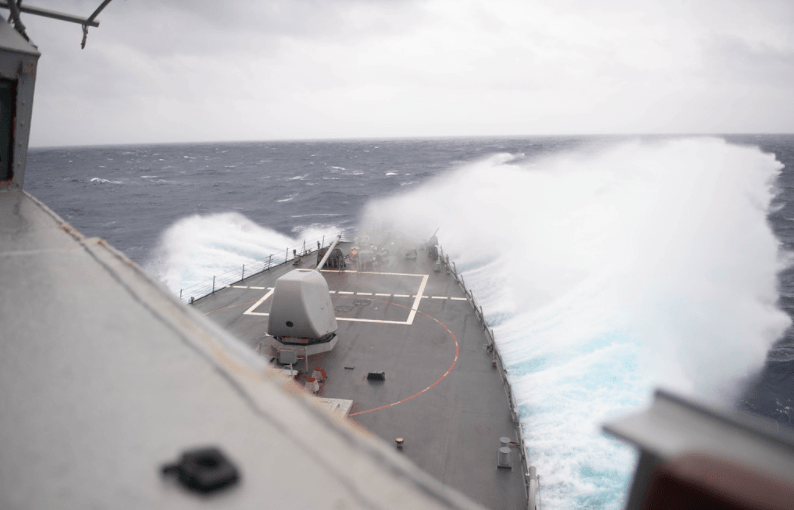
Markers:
91,22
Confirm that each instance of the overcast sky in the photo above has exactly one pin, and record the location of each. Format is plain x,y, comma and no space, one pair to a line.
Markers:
185,70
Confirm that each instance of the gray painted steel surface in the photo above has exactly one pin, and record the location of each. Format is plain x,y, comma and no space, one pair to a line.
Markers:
18,61
441,392
302,307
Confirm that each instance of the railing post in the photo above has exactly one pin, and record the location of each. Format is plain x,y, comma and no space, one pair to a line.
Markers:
180,294
533,485
286,255
213,284
243,276
268,260
323,241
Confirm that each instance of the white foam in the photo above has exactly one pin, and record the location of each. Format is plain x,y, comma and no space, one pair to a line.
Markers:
197,247
99,180
608,272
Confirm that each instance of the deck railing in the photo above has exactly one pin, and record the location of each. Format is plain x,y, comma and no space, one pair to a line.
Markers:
531,479
228,278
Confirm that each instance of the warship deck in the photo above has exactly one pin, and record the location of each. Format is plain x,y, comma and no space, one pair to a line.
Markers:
442,392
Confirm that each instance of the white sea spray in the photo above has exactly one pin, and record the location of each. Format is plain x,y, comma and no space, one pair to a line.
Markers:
196,248
608,272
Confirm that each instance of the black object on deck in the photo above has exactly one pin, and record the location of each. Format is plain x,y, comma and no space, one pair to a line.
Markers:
204,470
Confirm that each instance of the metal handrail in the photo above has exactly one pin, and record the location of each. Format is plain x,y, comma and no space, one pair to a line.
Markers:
530,472
229,278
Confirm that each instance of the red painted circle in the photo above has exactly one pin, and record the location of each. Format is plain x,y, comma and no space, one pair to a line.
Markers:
457,351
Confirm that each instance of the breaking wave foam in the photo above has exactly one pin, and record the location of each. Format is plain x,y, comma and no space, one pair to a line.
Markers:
606,273
197,247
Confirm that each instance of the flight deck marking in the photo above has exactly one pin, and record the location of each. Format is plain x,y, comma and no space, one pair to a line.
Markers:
230,306
378,321
418,297
411,315
417,300
251,311
454,361
239,286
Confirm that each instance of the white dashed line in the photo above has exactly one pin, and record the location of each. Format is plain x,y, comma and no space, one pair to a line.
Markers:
438,297
383,295
458,299
401,295
353,319
363,293
239,286
257,288
345,292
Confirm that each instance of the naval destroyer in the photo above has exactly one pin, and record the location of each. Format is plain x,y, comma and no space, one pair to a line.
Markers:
113,393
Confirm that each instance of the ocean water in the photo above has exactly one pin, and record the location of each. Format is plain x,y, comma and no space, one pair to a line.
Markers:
607,266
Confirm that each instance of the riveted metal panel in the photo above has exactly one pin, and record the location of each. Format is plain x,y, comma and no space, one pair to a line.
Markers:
18,61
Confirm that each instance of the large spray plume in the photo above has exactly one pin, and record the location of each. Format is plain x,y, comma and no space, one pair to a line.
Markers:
606,273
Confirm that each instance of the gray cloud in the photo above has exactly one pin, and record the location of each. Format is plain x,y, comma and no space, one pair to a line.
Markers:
737,59
189,70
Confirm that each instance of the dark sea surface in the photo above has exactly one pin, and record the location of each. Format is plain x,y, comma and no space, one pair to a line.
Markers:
130,194
186,212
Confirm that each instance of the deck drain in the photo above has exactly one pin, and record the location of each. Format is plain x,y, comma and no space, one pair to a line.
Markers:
361,302
343,309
